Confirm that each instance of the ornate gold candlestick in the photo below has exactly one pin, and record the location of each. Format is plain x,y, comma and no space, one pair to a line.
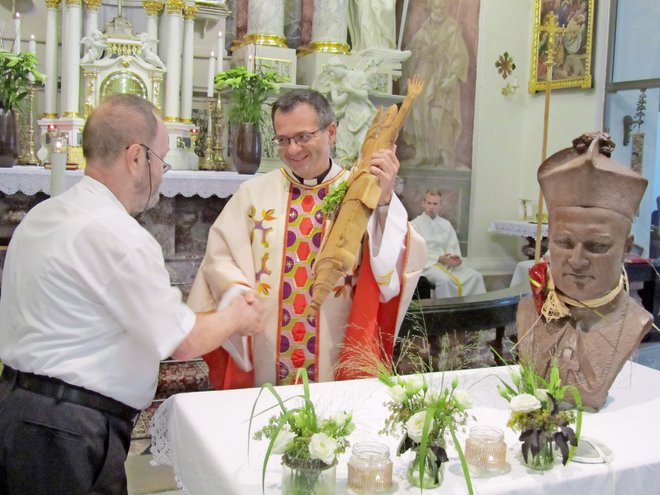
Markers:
218,149
28,155
209,162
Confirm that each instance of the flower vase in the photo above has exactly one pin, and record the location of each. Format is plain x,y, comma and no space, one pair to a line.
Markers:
306,476
247,148
543,460
433,471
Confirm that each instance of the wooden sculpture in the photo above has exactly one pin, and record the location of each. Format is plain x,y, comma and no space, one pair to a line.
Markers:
341,244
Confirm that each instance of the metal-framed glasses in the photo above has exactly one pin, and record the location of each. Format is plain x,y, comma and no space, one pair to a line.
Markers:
302,138
166,166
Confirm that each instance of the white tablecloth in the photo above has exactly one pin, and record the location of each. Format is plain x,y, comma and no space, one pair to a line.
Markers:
205,435
517,227
31,180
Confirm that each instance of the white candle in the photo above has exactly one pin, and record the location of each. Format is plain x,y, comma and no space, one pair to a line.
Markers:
57,167
209,89
221,47
17,31
32,45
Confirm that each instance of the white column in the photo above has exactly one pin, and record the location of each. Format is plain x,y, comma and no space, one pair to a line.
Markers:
266,22
153,9
173,76
64,55
330,23
189,13
50,86
73,34
91,16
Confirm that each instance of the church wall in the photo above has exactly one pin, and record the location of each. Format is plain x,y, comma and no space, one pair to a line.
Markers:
508,129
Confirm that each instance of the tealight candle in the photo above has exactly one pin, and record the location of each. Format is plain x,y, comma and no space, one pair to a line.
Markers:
370,468
485,450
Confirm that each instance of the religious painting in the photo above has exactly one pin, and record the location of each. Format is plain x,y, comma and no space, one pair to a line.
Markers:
442,36
563,40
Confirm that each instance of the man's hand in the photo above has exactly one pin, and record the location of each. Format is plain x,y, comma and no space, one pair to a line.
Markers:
450,260
245,311
385,165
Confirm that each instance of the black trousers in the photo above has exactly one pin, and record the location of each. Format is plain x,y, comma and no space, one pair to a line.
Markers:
52,447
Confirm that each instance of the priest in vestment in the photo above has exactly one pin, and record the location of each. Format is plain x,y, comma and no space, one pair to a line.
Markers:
444,267
266,239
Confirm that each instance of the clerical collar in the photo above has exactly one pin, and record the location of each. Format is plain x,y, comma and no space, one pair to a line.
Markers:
316,180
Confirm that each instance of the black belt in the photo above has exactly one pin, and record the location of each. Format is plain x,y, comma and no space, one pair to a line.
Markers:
57,389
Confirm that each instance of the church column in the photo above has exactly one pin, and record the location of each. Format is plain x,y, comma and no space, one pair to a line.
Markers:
266,23
64,73
173,76
189,13
153,10
91,16
73,32
50,85
329,26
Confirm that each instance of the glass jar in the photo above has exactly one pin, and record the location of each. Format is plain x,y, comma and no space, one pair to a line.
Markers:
370,468
305,476
485,450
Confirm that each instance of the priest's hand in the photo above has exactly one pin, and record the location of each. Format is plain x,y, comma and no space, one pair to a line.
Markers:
450,260
385,165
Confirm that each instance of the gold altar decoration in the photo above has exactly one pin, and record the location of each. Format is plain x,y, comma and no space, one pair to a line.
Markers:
175,6
329,47
53,4
153,8
342,243
92,4
28,154
209,161
264,40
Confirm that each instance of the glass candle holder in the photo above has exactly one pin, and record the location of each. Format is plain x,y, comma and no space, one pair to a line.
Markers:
370,468
485,450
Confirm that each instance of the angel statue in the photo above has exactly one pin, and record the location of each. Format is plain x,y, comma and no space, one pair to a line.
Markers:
348,89
148,50
94,46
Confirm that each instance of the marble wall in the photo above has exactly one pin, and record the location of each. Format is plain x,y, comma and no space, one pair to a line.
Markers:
179,224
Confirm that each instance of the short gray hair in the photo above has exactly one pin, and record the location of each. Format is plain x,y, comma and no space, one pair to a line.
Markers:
119,121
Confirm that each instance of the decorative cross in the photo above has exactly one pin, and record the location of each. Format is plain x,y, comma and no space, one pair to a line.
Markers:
551,27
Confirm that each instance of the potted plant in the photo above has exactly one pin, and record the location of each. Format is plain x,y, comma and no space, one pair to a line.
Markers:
249,91
17,73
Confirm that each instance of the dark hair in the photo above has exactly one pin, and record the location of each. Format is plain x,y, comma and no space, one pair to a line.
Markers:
289,101
119,121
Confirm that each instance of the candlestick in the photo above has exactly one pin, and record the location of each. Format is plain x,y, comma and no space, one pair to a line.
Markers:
32,45
211,76
221,47
17,33
208,163
57,167
28,154
218,149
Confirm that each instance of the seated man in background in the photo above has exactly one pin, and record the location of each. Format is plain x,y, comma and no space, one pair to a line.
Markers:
444,267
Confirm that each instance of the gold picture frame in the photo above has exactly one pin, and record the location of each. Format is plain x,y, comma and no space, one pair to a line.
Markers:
572,29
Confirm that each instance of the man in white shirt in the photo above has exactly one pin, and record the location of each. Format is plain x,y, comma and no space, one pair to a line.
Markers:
444,267
87,312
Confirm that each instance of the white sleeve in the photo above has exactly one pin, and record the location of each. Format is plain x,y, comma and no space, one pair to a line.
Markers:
386,245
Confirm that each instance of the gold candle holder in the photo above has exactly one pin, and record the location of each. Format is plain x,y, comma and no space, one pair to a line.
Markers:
209,159
485,451
28,155
218,149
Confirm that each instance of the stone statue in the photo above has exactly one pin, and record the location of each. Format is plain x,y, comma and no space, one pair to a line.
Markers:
581,314
149,50
440,57
348,89
94,46
372,24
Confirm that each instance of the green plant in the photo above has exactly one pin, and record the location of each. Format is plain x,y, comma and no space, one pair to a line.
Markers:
424,414
535,413
249,92
299,434
15,72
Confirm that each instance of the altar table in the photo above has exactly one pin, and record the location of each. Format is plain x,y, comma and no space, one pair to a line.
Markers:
204,436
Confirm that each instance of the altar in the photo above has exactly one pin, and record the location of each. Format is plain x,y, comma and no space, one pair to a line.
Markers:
204,436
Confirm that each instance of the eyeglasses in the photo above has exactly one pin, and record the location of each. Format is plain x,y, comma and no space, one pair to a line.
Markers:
302,138
166,166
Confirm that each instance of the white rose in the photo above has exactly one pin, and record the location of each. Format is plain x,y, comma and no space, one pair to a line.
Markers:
340,417
398,393
323,447
432,396
463,399
283,438
415,426
524,403
413,384
542,394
